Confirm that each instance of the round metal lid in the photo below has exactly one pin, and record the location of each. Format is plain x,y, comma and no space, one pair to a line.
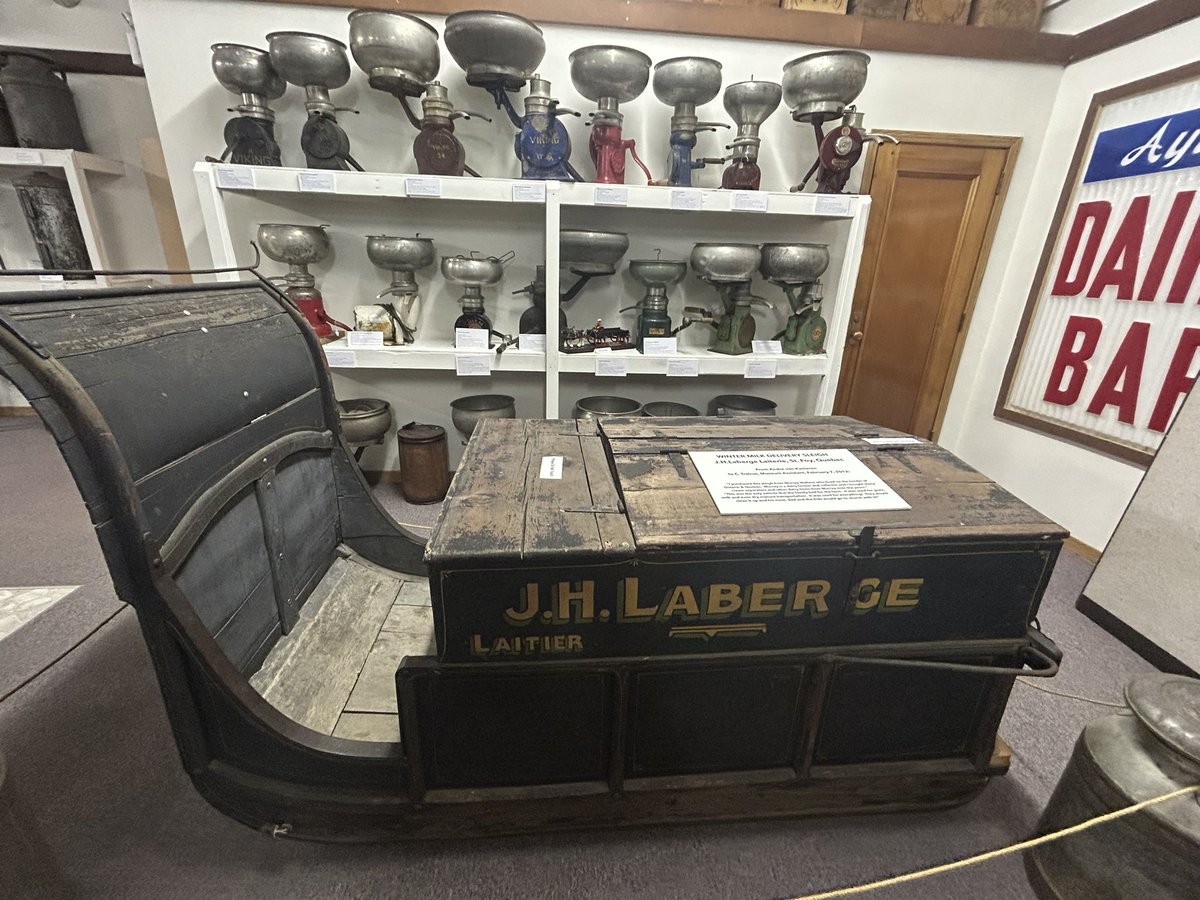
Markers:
416,433
1169,706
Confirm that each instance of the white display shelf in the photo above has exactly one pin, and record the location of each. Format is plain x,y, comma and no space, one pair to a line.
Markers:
790,216
76,167
435,355
693,200
273,179
710,363
24,158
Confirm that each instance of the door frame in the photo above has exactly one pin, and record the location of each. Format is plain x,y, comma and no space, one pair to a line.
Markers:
1012,146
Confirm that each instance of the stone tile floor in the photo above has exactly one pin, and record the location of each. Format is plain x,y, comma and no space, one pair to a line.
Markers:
18,605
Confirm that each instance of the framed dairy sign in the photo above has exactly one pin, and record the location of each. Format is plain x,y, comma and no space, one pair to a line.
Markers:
1109,343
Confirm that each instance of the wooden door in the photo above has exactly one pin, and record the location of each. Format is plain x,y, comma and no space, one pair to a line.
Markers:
936,198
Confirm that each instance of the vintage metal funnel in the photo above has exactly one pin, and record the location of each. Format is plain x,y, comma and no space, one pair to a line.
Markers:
797,269
728,268
685,83
402,256
609,76
820,88
300,246
318,64
247,72
473,273
657,275
749,104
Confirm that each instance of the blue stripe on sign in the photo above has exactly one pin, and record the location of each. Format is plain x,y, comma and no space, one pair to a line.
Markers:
1158,145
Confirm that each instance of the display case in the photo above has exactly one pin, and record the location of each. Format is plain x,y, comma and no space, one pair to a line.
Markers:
493,216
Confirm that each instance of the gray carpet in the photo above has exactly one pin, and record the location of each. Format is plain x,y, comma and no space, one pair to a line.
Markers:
91,754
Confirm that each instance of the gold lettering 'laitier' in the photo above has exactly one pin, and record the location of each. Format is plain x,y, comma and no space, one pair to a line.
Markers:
578,603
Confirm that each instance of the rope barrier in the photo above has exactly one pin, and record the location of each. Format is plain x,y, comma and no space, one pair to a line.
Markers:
1046,690
1003,851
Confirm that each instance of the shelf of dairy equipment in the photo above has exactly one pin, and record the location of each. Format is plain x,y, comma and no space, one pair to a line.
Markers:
690,361
36,158
433,354
270,179
691,199
276,179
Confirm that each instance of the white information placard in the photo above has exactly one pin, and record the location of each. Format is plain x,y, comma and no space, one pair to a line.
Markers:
761,368
311,180
660,346
534,342
611,196
891,441
686,199
552,467
766,346
364,340
423,186
529,192
471,339
792,481
341,359
26,157
609,365
750,201
468,364
239,178
832,205
683,367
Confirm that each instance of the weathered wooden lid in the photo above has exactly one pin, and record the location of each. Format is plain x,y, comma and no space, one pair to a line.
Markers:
502,505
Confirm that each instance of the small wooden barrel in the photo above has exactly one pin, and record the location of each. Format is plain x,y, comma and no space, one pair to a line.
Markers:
424,463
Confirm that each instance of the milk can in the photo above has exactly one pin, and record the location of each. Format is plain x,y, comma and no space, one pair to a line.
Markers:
1138,754
53,222
39,102
424,463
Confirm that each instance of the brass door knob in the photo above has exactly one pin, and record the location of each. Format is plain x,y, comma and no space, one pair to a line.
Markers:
856,337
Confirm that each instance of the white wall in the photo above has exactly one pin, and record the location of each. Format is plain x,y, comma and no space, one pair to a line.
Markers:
94,25
1075,16
1084,490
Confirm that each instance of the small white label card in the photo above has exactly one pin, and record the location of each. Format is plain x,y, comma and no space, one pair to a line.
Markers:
686,199
683,368
833,205
761,368
552,467
235,178
27,157
473,364
313,180
365,340
534,342
891,441
750,201
341,359
54,278
529,192
660,346
792,481
609,365
611,196
766,346
471,338
423,186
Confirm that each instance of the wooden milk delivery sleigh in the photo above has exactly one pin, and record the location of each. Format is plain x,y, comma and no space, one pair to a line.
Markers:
609,649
